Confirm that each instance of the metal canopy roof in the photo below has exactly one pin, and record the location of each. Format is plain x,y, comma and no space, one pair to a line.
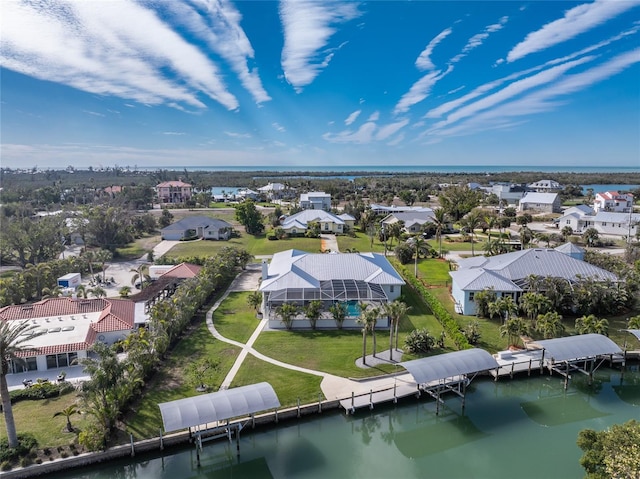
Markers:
578,347
468,361
635,332
218,406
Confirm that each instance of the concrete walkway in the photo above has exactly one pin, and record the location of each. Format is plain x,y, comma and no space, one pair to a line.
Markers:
329,243
333,387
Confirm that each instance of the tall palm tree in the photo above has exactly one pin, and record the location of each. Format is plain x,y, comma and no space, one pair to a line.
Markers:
365,320
140,273
12,344
103,256
397,311
372,318
419,245
440,219
491,221
472,222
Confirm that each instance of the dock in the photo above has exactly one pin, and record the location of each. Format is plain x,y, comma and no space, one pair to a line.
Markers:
513,362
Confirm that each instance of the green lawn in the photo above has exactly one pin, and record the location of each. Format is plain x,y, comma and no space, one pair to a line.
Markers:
361,242
138,248
235,319
170,383
432,271
36,417
289,385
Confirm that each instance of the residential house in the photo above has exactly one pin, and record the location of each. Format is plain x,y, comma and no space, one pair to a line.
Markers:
578,218
545,186
507,274
507,193
181,271
541,203
413,220
582,218
70,327
297,277
297,224
197,226
276,191
379,209
315,200
247,194
613,201
174,192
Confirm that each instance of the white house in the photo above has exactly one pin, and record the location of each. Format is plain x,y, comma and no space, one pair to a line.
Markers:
507,193
540,202
199,226
613,201
315,200
276,191
507,274
545,186
297,277
413,220
70,327
297,224
398,209
580,218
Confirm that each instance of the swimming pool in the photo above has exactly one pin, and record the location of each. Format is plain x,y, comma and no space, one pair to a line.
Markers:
353,308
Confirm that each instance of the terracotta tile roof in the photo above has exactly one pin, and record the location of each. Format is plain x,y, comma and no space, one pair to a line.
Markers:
115,315
183,271
173,184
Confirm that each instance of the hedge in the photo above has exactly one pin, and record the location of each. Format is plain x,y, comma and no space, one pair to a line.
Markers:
42,390
449,324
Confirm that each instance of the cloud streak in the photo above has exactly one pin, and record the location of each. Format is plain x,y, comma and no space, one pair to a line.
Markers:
423,62
105,51
576,21
308,25
420,90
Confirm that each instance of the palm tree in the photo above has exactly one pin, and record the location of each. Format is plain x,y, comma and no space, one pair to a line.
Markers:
140,273
550,325
103,256
440,220
366,327
419,245
81,291
12,345
312,311
513,328
98,292
397,311
372,318
566,232
491,221
634,322
339,312
287,312
534,304
255,300
68,412
472,222
591,324
125,291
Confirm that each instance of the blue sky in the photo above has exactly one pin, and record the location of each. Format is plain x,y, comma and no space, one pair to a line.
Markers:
318,83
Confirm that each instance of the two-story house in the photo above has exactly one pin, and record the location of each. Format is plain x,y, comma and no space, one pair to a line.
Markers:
174,191
315,200
613,201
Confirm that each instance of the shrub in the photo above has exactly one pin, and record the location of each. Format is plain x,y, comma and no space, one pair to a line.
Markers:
419,341
93,438
5,466
25,461
40,390
404,253
26,442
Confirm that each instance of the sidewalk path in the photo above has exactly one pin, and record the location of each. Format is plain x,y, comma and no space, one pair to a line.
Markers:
333,387
329,243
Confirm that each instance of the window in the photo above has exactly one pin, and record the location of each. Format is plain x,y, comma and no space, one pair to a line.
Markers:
471,295
61,360
391,288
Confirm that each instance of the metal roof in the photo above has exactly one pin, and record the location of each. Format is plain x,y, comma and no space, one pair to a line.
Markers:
435,368
218,406
578,347
635,332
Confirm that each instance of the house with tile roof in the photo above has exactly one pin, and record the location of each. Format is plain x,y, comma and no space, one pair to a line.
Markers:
614,202
174,191
298,223
70,327
507,274
297,277
197,226
540,203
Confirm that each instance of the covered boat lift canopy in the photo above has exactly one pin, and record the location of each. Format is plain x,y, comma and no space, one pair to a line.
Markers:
449,372
199,411
584,353
218,406
635,332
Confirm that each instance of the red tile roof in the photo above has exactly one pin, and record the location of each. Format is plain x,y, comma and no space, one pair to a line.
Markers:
116,315
173,184
183,271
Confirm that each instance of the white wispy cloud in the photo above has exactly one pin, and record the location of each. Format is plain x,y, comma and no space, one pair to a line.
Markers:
105,51
391,129
478,39
576,21
233,134
397,140
543,99
423,62
375,116
419,90
363,135
308,25
217,23
352,117
174,133
278,127
510,91
94,113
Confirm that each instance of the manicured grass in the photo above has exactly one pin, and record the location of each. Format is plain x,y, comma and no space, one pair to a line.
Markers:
289,385
235,319
260,245
170,382
203,248
433,271
36,417
138,248
361,243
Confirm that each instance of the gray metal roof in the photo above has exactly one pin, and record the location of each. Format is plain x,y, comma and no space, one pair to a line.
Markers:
542,198
635,332
218,406
578,347
569,248
192,222
305,217
477,279
435,368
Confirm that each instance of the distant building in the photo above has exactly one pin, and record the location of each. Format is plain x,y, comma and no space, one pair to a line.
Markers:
174,191
197,226
298,223
582,218
541,203
315,200
399,209
613,201
507,193
276,191
412,220
545,186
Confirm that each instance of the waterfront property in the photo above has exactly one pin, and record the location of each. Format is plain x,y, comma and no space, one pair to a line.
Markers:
315,200
613,201
69,328
197,226
580,218
540,203
298,223
508,274
297,277
174,191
